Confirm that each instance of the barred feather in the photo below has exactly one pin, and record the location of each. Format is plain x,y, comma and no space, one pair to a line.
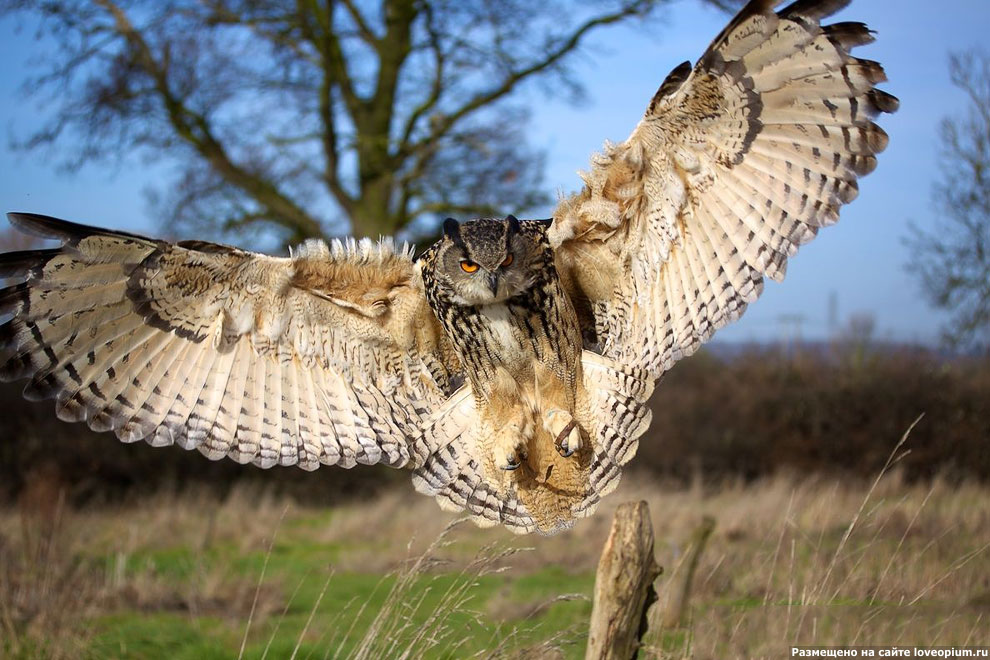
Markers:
770,131
737,162
333,357
226,351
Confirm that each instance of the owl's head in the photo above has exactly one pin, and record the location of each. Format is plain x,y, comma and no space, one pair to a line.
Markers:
486,261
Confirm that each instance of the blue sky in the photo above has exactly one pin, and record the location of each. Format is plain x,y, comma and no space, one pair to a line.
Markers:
861,262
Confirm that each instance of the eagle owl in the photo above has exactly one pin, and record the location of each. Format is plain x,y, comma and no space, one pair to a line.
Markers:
509,365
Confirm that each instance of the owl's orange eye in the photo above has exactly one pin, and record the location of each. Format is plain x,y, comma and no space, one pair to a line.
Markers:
507,262
469,266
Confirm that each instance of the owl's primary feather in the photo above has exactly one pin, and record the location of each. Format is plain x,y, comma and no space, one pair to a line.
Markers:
328,357
509,344
737,162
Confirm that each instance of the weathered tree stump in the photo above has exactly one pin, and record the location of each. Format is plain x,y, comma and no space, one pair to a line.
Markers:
623,586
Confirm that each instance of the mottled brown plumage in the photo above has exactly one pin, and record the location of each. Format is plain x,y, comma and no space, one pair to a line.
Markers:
508,367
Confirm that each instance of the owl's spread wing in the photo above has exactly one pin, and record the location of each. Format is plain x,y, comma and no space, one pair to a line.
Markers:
737,162
331,356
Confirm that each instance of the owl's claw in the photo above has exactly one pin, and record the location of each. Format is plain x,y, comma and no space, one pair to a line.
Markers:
564,447
511,444
565,431
514,460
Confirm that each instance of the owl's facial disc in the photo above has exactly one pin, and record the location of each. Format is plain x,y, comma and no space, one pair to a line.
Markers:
485,261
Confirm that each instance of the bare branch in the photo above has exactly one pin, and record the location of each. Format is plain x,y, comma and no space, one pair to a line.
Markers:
331,149
195,129
364,29
952,261
512,80
316,24
306,116
436,87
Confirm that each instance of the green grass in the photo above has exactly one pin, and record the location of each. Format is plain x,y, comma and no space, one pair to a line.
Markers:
179,577
343,604
156,635
143,635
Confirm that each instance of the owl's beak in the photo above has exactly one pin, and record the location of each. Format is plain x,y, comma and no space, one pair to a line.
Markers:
493,283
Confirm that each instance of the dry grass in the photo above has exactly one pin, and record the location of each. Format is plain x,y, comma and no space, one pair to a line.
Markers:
792,560
59,569
913,568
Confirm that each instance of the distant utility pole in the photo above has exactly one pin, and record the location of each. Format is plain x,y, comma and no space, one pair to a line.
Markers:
833,314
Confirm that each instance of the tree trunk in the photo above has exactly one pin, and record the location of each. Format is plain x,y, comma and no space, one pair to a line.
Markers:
372,215
623,586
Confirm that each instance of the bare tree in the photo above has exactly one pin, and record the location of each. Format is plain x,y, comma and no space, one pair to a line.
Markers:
313,116
952,260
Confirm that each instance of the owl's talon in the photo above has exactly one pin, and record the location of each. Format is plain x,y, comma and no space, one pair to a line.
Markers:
514,460
512,465
564,448
511,449
565,431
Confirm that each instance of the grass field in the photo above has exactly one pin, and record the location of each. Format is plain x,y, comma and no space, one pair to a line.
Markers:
791,561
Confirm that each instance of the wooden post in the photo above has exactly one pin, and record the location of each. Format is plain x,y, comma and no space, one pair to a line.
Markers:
623,586
676,614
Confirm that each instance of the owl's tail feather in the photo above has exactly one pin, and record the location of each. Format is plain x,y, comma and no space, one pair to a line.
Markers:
452,472
454,475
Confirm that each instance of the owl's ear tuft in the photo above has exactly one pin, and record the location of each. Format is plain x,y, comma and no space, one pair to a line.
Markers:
452,229
513,224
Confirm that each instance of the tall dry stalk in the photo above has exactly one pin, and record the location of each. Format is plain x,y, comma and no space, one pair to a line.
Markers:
45,592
